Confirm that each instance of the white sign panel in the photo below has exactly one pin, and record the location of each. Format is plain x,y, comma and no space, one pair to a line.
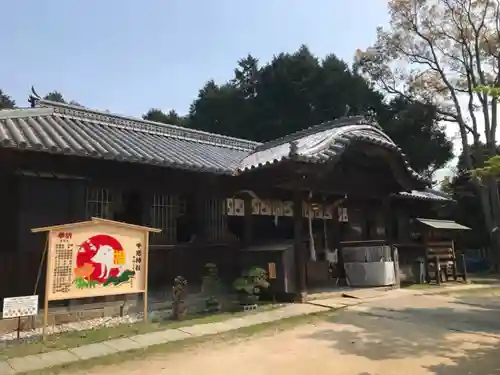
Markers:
16,307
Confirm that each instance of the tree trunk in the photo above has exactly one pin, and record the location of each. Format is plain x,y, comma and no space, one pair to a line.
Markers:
495,210
491,223
488,205
312,249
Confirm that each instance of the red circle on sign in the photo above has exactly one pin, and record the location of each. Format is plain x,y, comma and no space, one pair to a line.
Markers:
89,248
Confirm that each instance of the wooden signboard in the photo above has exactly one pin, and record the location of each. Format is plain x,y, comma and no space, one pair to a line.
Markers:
96,258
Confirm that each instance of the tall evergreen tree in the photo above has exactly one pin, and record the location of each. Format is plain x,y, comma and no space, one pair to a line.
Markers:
297,90
55,96
171,118
6,102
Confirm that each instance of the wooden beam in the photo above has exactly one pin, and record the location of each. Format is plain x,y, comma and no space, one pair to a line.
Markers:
299,255
248,223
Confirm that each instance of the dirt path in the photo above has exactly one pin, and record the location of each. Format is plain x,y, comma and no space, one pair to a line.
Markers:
353,343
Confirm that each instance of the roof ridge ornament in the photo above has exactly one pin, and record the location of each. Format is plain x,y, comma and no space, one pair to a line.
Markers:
34,98
371,117
293,149
347,110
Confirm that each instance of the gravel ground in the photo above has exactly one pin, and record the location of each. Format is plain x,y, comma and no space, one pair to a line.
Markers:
83,325
407,335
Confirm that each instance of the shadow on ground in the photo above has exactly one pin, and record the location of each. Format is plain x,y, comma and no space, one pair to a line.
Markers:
459,340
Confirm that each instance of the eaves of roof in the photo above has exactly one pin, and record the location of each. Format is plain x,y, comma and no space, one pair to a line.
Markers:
425,195
69,130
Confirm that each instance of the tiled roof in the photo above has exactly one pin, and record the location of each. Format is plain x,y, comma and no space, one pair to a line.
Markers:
69,130
427,195
443,224
323,143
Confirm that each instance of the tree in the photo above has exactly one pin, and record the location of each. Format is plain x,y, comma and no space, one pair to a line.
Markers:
438,52
6,101
54,96
217,110
297,90
494,92
75,103
286,95
467,209
414,128
491,167
171,118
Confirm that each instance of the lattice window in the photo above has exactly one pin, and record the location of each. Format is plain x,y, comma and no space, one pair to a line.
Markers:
215,218
99,203
165,209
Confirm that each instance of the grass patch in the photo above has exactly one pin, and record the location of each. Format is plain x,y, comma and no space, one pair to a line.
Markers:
75,339
487,291
420,286
486,278
191,343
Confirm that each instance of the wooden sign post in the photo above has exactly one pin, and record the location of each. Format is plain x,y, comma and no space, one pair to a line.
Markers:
95,258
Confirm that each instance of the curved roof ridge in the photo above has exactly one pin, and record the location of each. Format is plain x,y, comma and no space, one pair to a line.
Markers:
339,122
324,142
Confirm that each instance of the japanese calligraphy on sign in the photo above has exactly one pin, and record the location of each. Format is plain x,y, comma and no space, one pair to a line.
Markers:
96,258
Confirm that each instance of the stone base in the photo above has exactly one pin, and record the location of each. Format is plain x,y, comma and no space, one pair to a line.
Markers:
301,297
250,307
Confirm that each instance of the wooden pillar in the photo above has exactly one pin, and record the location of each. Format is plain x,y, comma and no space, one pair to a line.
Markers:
454,266
438,270
397,272
248,223
425,235
389,234
247,239
388,216
336,242
299,256
464,267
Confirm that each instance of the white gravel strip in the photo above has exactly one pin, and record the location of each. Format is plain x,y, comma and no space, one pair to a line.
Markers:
83,325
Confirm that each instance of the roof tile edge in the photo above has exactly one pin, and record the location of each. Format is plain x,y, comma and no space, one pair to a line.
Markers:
338,122
23,112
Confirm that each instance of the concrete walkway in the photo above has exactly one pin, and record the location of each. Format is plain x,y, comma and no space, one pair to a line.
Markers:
55,358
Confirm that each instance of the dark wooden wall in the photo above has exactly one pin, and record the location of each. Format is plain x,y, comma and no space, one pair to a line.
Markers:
59,197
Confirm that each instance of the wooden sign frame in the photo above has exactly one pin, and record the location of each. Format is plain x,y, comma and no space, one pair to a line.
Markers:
115,228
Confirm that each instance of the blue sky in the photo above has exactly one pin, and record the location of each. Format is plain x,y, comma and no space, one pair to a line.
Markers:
128,56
